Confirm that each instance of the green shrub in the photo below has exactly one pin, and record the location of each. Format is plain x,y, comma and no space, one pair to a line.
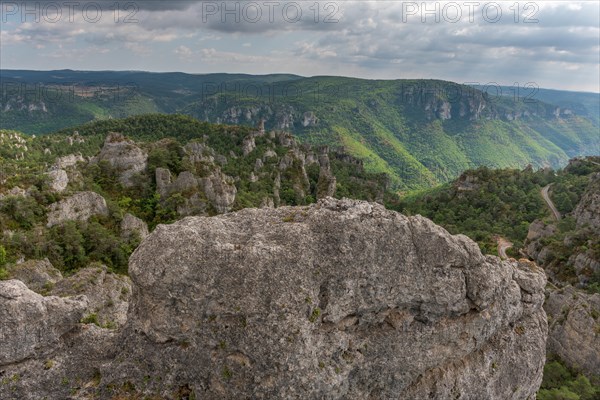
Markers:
557,394
91,319
560,383
2,256
555,375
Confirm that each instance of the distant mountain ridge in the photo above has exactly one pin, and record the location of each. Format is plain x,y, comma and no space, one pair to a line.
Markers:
419,132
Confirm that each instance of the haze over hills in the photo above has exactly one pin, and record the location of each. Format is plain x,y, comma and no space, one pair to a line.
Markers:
419,132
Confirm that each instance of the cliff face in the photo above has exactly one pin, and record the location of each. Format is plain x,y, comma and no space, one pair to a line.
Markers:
587,212
341,299
573,328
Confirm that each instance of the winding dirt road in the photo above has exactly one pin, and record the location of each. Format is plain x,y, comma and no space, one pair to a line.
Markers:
546,197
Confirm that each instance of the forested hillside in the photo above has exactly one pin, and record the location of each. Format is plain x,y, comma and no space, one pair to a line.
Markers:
487,204
419,132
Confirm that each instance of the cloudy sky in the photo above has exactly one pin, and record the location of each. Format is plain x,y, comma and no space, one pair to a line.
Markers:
554,44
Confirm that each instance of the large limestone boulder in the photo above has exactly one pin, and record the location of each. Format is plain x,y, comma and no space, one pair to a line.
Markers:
132,225
248,145
220,190
81,206
39,275
68,161
574,322
125,156
342,299
339,300
163,181
31,324
58,180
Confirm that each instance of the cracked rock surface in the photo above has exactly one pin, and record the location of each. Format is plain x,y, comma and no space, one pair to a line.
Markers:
339,300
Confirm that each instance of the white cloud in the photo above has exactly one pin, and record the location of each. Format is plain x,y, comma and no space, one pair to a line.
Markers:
184,52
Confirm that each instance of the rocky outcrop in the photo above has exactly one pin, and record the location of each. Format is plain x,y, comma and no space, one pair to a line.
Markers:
339,300
108,294
220,190
467,182
198,152
68,161
586,264
574,323
587,211
163,180
327,181
81,206
539,230
292,166
202,188
309,119
58,180
39,275
132,225
124,155
215,189
31,324
16,191
248,145
349,301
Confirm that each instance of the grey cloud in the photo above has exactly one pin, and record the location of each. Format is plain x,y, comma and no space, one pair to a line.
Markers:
152,5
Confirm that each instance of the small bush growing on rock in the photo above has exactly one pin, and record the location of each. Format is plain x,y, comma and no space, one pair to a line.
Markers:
91,319
316,313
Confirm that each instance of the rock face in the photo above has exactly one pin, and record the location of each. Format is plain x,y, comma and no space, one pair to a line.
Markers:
81,206
574,321
539,230
32,323
58,180
587,211
339,300
131,225
125,156
163,180
68,161
108,294
220,190
215,188
327,182
39,275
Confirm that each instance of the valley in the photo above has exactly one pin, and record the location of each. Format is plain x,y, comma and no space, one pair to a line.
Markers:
420,133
